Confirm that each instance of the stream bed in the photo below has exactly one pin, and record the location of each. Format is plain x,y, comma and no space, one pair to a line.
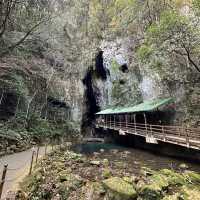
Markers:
134,158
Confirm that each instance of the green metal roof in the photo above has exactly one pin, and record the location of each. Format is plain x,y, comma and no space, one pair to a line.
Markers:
143,107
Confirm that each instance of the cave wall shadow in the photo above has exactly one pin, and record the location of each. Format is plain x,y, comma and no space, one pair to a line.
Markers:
92,94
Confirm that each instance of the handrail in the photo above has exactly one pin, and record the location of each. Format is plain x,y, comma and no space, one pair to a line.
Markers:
166,126
182,135
152,125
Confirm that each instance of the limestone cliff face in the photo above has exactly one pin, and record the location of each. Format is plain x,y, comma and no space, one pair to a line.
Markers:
70,60
131,82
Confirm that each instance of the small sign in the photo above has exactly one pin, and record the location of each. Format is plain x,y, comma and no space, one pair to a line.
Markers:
151,140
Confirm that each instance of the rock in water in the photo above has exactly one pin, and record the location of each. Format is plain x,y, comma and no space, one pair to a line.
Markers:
95,162
183,166
192,177
102,150
120,189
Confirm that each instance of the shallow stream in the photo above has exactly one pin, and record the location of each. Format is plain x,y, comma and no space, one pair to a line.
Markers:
134,159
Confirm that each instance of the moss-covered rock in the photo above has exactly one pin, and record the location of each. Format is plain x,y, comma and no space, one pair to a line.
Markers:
190,193
151,192
192,177
160,180
119,189
171,197
173,178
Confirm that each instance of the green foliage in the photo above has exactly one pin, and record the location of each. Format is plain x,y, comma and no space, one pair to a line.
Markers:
171,23
196,6
173,34
144,52
115,66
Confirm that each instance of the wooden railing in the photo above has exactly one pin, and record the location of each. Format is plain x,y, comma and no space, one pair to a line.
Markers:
183,136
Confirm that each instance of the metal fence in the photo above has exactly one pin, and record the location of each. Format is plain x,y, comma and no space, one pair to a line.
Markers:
29,163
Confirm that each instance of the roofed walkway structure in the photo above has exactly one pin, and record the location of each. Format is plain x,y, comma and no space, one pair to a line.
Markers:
151,121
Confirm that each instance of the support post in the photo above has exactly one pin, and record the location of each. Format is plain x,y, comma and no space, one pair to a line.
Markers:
145,120
31,166
114,121
3,179
151,130
134,116
110,122
163,132
120,122
126,116
37,154
187,138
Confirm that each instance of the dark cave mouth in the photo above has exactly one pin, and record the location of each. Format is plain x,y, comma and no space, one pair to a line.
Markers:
57,103
8,105
91,100
124,68
100,69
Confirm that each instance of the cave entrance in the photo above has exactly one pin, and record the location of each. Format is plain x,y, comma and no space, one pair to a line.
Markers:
8,105
92,93
56,110
100,69
91,105
124,68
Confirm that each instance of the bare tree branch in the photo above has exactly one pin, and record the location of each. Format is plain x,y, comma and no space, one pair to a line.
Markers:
13,46
191,60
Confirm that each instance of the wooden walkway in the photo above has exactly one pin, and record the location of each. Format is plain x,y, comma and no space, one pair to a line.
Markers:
186,137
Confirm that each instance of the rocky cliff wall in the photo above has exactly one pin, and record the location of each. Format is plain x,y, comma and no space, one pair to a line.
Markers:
67,55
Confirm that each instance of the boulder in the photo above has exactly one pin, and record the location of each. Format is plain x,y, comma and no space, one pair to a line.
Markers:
95,162
119,189
183,166
174,179
150,192
171,197
102,150
192,177
153,190
189,193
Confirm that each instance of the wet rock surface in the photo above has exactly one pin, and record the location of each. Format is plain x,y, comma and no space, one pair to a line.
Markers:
68,175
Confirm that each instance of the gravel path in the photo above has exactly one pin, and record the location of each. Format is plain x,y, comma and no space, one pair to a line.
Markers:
18,168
